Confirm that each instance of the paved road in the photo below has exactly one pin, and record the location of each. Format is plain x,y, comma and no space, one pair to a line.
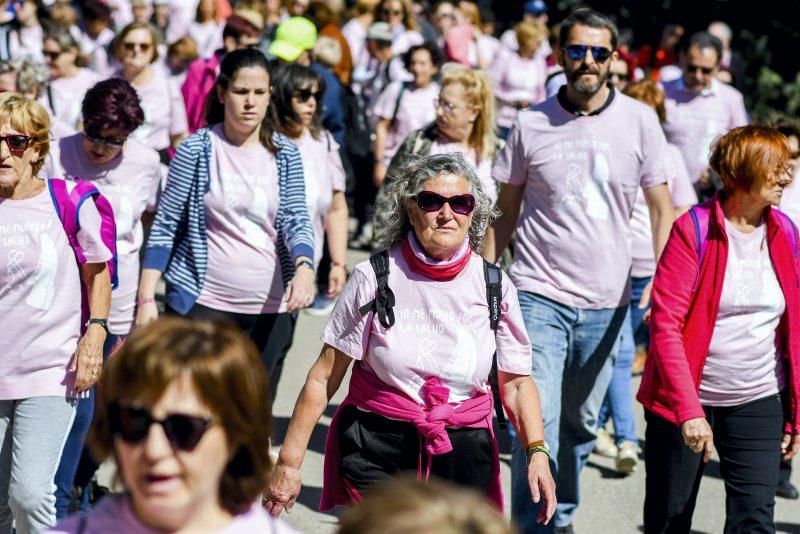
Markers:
610,503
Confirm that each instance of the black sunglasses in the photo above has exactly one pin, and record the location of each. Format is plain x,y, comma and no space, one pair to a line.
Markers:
132,424
430,201
695,68
578,52
94,137
131,46
49,54
304,94
17,144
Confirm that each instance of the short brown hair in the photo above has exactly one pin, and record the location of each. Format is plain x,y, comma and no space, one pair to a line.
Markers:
405,505
226,370
648,92
30,118
120,38
749,154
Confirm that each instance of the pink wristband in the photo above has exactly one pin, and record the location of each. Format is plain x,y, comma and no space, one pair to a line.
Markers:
148,300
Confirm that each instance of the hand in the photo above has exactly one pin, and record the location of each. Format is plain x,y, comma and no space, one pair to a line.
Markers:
146,313
644,302
523,104
300,291
282,489
542,486
88,357
790,445
336,279
378,174
698,436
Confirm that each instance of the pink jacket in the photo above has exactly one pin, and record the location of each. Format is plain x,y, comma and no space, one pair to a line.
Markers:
370,393
200,78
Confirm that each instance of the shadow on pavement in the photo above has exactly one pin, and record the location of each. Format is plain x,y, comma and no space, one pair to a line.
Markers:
309,497
605,472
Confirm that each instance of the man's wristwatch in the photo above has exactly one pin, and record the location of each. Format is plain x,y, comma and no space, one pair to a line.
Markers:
305,263
101,322
534,447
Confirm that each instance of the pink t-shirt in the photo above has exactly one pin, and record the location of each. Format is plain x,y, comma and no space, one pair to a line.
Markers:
415,111
743,362
131,184
208,37
26,43
581,175
114,513
65,95
516,78
404,39
99,50
695,120
41,329
441,329
244,274
164,111
483,167
324,174
682,193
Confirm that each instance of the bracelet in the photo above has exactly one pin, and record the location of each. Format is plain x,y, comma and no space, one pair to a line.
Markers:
534,447
305,263
342,265
146,300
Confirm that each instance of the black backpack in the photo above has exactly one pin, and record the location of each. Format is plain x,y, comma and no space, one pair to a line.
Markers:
358,134
384,301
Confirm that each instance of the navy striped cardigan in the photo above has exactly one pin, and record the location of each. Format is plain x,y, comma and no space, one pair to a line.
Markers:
178,245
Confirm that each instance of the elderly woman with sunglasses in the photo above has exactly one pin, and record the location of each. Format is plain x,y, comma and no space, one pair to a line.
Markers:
165,123
128,174
416,321
47,363
184,412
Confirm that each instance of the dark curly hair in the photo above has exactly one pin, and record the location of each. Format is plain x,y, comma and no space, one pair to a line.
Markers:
112,103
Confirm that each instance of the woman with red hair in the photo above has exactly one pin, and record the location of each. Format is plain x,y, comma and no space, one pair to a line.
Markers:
724,368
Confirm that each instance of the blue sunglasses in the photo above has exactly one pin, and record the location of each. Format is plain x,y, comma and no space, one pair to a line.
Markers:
578,52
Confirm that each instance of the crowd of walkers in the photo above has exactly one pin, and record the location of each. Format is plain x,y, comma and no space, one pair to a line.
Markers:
211,161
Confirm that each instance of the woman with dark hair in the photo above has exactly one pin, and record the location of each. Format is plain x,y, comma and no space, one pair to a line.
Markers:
296,112
232,235
724,343
26,33
165,122
128,174
69,81
204,467
406,106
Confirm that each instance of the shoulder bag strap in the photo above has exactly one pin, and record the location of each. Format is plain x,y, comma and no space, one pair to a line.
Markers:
384,300
494,295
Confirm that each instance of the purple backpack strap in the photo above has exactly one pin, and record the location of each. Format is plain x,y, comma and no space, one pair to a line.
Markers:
68,204
700,216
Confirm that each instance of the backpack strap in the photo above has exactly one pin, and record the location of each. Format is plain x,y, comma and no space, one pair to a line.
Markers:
403,87
788,227
384,300
494,296
700,216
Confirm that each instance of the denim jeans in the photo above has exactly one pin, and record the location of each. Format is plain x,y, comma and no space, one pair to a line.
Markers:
73,448
574,348
618,403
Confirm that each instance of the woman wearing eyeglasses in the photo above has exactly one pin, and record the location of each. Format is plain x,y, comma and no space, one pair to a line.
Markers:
296,112
47,363
232,234
519,76
399,14
165,123
423,343
69,81
128,174
184,412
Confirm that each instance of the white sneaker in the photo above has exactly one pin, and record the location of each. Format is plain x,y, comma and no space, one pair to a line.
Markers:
627,457
604,446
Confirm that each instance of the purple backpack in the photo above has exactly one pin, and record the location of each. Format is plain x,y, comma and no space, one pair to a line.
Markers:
700,215
68,204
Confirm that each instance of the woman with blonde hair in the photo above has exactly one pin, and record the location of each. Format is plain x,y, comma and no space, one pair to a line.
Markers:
51,354
399,14
519,76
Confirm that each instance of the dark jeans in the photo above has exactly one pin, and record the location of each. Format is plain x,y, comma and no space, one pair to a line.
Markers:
272,334
374,449
73,451
747,438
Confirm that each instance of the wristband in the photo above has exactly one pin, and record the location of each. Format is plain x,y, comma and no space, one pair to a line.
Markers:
533,448
342,265
305,263
101,322
147,300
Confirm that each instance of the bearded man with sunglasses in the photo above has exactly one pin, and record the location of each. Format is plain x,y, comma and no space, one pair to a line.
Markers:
578,160
700,108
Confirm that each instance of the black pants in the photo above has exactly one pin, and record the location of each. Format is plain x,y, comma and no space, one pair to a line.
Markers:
272,334
747,438
374,449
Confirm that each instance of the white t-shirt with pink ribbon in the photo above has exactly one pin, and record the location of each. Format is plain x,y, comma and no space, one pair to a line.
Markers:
580,176
415,110
244,274
131,184
40,295
442,329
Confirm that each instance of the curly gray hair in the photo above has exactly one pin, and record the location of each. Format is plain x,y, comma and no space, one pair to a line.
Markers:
390,209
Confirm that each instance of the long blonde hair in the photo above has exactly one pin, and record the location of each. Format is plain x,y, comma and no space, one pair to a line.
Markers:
479,95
